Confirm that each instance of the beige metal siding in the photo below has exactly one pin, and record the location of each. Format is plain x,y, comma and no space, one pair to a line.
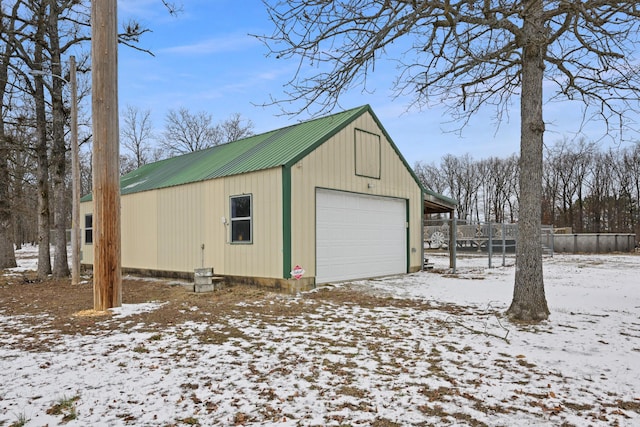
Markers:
165,229
263,257
332,166
140,231
180,222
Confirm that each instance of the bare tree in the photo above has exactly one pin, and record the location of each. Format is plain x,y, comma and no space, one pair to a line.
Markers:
497,176
625,171
470,55
566,166
631,161
584,157
563,160
186,132
461,176
600,189
22,178
235,128
49,29
44,219
514,188
86,171
172,7
127,164
430,177
58,149
550,189
36,37
136,134
7,255
584,189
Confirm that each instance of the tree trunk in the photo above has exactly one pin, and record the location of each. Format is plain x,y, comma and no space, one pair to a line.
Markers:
58,152
7,254
107,274
44,252
18,197
529,301
75,178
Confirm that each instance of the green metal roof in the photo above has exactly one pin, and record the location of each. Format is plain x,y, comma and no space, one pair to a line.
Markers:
280,147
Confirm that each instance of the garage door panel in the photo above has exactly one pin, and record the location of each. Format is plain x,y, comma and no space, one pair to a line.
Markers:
359,236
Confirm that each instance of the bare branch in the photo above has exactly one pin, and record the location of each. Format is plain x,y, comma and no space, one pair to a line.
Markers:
462,54
174,8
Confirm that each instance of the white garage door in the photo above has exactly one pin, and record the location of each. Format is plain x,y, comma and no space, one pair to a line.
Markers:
359,236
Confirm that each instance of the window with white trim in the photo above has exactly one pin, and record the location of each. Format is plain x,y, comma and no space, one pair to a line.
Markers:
241,219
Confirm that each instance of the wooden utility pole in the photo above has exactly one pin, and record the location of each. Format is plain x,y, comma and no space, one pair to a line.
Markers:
107,274
75,178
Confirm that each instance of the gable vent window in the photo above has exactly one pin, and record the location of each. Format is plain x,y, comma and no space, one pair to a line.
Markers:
367,154
88,229
241,219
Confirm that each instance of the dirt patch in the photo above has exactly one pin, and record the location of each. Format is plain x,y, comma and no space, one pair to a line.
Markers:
60,307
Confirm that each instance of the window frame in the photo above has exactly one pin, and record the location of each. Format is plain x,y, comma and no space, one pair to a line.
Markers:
88,229
233,238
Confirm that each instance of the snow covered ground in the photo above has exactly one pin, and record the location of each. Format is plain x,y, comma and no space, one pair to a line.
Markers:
436,353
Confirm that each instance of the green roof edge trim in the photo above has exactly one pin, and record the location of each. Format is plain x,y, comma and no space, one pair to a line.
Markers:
445,199
407,212
422,229
356,112
404,161
395,147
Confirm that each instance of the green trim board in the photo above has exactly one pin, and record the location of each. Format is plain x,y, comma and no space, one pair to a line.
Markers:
408,235
286,222
422,190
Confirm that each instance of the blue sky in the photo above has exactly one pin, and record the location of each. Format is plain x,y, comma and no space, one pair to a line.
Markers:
206,60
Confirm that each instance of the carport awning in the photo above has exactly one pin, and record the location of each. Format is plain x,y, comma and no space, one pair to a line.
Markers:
437,203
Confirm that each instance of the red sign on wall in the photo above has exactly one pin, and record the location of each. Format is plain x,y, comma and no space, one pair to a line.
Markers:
297,272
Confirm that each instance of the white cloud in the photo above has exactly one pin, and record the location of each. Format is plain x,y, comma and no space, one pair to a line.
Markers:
227,43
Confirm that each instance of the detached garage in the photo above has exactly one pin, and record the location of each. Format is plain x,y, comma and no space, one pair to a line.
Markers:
326,200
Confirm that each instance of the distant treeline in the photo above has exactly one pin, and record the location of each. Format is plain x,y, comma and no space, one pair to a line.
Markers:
586,188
